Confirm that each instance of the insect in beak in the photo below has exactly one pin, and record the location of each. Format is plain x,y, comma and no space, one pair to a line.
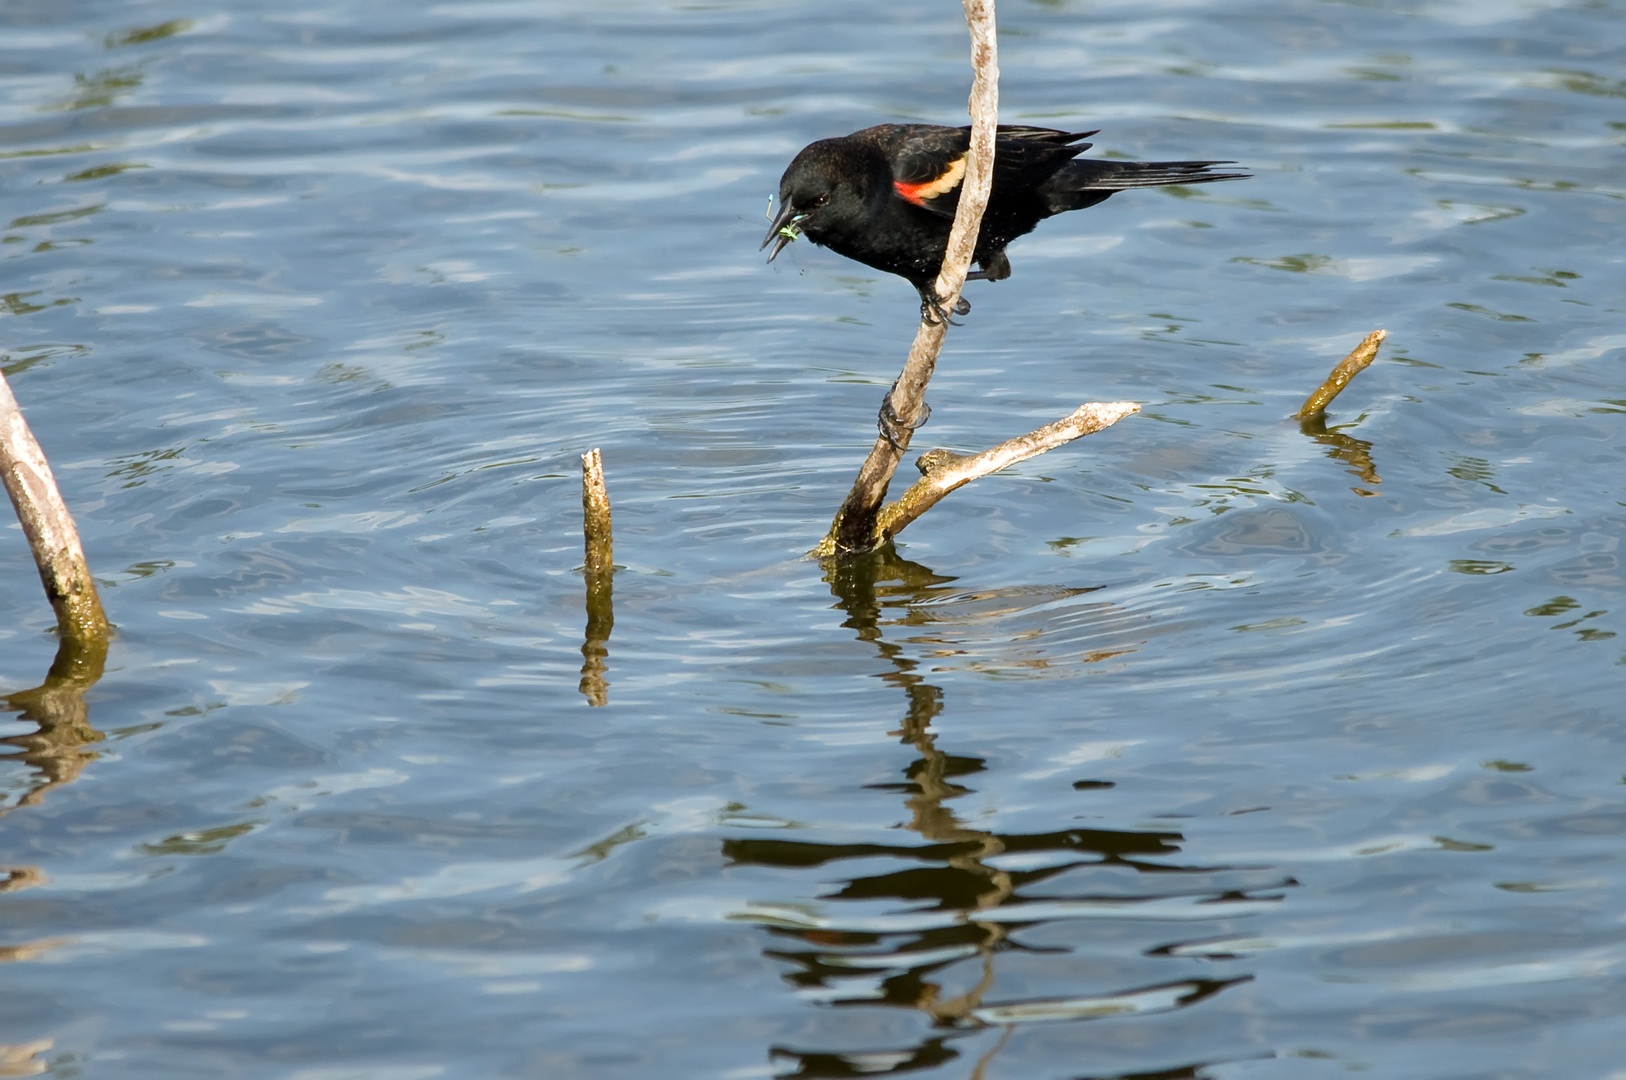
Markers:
782,229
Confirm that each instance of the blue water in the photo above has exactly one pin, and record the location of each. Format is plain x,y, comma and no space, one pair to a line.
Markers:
1207,747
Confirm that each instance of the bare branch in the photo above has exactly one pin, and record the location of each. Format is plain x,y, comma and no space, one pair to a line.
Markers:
49,527
979,166
945,471
853,529
1347,368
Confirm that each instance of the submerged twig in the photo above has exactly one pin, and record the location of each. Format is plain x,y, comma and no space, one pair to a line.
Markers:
853,529
599,569
943,472
49,527
1346,369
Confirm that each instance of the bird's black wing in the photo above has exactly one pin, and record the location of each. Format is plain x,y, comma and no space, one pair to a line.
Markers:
928,162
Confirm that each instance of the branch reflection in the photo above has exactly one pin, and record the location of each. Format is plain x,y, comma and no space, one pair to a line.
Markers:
925,930
56,751
596,641
1353,452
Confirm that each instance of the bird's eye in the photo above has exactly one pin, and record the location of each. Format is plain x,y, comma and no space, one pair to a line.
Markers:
822,199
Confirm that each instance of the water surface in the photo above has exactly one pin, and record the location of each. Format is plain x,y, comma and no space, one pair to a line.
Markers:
1210,746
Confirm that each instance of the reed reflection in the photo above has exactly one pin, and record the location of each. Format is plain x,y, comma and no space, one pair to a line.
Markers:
596,640
932,917
1353,452
56,751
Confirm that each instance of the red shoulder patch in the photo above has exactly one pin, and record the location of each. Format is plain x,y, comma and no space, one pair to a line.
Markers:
932,189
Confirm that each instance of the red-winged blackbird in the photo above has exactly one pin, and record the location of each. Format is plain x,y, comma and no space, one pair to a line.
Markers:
886,195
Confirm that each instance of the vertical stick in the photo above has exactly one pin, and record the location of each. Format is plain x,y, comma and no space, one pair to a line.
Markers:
854,528
599,569
596,514
49,527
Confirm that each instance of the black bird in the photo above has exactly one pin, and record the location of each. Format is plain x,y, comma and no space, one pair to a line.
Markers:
886,195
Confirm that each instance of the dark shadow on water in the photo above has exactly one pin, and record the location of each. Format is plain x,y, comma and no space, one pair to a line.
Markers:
934,914
1197,1071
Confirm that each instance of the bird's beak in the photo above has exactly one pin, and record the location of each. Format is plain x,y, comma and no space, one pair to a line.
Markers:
783,230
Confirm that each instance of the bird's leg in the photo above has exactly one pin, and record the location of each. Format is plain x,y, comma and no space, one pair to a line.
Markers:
995,267
932,311
893,427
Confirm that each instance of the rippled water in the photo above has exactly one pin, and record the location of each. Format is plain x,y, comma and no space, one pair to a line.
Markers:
1207,747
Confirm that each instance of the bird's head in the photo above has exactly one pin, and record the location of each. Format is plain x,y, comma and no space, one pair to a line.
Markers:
821,188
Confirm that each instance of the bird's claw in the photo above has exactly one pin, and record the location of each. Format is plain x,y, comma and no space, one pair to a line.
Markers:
894,429
933,313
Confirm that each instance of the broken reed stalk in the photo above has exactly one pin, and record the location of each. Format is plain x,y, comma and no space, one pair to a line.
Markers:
599,568
1346,369
49,528
596,514
943,471
854,528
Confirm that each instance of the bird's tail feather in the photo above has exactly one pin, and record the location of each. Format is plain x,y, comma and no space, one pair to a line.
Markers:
1087,182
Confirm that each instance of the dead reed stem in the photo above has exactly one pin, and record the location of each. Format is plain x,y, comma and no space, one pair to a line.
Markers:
49,528
1346,369
599,569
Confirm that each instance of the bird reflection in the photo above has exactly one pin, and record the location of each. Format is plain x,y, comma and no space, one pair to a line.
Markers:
926,931
1353,452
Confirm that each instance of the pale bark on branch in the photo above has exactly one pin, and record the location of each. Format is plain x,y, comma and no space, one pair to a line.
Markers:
49,527
853,529
943,471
